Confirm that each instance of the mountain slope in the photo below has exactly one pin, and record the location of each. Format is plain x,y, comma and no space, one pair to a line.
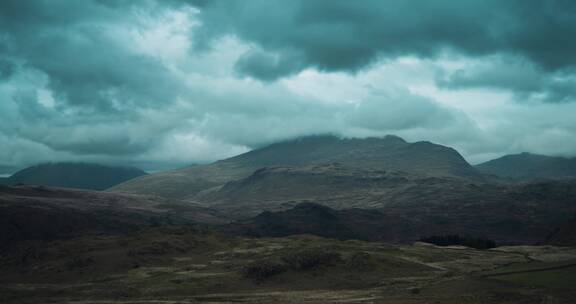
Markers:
412,205
564,235
74,175
402,213
342,187
388,153
526,166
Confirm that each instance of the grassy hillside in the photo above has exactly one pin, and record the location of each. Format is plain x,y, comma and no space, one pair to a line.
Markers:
188,266
43,214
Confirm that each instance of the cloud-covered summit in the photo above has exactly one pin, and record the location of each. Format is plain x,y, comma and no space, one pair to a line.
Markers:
159,84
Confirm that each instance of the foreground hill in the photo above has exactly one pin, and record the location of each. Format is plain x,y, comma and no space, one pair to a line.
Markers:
40,213
388,153
187,266
526,166
402,206
74,175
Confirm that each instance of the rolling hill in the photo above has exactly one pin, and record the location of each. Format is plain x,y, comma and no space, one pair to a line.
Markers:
42,213
74,175
527,166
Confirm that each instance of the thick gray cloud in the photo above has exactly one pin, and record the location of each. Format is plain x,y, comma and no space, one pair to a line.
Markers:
76,45
527,81
76,51
160,84
341,35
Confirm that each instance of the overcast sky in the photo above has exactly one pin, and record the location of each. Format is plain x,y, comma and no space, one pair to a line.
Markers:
167,83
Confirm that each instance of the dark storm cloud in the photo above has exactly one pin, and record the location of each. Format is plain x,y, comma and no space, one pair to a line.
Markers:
341,35
266,66
6,69
525,80
95,77
74,44
152,82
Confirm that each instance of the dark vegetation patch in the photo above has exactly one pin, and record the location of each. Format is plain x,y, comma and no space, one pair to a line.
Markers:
309,259
262,270
297,260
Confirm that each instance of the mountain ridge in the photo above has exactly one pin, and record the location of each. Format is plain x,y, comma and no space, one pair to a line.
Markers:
527,166
387,153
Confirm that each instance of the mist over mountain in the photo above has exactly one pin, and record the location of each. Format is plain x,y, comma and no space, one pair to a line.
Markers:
527,166
74,175
387,153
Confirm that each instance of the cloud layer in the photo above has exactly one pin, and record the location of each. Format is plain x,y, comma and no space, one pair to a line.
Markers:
340,35
161,84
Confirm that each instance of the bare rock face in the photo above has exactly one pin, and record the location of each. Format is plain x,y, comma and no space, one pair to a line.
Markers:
387,153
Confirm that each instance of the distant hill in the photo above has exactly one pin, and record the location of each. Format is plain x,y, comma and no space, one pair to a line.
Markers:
526,166
387,153
74,175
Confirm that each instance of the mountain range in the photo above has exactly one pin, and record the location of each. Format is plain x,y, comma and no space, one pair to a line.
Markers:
398,191
388,153
383,189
